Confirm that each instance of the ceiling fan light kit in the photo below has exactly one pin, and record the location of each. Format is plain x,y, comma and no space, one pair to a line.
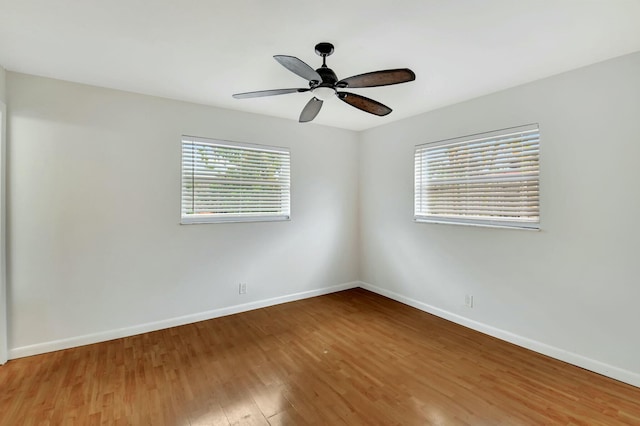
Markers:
324,84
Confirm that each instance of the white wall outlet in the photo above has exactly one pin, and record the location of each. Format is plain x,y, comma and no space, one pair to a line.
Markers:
242,288
468,300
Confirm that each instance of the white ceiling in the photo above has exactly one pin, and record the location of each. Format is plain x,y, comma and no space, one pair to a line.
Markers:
204,51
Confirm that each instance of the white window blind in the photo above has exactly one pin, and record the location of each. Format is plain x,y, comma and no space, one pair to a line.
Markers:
234,182
488,179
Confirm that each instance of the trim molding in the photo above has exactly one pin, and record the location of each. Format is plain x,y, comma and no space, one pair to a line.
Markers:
4,329
616,373
88,339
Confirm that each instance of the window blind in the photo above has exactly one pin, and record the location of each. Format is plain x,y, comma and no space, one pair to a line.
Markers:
234,182
487,179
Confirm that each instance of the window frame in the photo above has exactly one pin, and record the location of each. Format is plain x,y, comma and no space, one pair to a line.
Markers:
191,219
422,216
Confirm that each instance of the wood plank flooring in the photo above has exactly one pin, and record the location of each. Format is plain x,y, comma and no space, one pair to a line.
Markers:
349,358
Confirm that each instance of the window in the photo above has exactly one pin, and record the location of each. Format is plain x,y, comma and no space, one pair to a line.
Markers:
488,179
234,182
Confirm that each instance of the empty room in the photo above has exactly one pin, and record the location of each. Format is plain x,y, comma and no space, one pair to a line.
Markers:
418,212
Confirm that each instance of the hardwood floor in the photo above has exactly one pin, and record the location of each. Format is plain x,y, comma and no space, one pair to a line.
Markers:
348,358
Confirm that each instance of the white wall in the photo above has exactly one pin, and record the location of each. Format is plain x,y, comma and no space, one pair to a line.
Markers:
570,290
94,208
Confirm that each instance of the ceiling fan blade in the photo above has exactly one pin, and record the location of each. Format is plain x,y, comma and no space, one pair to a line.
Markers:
310,110
298,67
261,93
378,78
365,104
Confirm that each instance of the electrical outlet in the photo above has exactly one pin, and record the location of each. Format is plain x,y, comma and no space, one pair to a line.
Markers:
468,300
242,288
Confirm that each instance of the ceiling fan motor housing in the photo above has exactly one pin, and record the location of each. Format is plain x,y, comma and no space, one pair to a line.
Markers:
329,78
327,88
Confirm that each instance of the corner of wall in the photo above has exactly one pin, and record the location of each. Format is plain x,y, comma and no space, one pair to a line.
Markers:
359,211
3,85
3,286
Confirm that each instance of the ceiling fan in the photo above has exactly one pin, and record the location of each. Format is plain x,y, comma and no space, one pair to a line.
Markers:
323,83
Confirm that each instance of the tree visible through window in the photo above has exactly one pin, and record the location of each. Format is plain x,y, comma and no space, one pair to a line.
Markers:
234,182
487,179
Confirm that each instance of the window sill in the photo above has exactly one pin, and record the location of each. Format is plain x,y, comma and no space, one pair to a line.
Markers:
522,227
237,219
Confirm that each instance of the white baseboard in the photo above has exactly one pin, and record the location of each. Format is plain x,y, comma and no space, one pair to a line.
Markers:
620,374
89,339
